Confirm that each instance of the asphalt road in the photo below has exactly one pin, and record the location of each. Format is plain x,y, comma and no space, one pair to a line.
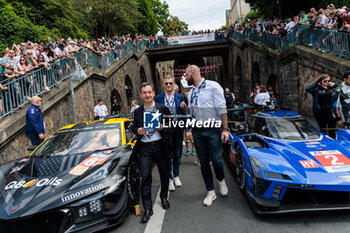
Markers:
229,214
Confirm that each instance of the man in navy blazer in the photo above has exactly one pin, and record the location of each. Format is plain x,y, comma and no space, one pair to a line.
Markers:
172,100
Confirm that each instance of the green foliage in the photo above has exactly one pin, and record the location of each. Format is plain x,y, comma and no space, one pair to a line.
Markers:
161,13
36,20
289,8
263,51
252,15
147,23
174,26
22,20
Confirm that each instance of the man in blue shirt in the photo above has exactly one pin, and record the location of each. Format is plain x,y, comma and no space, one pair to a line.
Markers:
35,127
172,100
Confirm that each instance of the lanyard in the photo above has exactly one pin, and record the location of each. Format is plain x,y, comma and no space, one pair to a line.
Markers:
171,104
194,96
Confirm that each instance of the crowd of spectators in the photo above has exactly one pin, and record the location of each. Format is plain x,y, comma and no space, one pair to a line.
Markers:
330,18
24,58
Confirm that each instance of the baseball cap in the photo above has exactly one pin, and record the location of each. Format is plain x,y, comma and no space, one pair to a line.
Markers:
301,13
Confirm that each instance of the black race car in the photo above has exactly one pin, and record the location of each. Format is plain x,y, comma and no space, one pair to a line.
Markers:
80,179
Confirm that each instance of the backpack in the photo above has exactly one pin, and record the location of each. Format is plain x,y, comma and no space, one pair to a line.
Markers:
229,99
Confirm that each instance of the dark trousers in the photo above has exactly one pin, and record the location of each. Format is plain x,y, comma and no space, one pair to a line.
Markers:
326,120
176,137
150,153
209,148
35,140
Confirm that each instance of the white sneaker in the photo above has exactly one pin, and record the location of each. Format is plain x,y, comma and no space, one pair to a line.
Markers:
223,188
47,89
177,182
211,196
171,185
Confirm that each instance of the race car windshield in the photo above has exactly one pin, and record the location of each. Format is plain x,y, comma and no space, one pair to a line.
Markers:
70,142
290,129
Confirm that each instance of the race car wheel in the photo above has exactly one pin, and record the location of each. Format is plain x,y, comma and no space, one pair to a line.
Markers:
134,182
240,169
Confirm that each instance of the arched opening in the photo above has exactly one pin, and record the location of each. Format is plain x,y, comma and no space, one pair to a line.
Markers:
239,79
128,89
143,75
272,82
255,74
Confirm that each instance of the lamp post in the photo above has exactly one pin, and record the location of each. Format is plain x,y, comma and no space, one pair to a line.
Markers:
279,8
95,20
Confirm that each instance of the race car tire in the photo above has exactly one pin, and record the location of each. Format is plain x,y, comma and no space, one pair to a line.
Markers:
134,183
239,169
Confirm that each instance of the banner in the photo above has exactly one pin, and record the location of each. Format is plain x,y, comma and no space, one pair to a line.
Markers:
177,40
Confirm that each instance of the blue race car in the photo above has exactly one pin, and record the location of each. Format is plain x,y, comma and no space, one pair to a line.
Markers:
286,165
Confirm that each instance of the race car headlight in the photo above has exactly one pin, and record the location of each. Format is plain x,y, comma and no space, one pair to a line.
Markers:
260,185
95,206
274,175
256,166
88,209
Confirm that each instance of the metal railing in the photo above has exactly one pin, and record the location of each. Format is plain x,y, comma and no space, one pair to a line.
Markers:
21,89
330,41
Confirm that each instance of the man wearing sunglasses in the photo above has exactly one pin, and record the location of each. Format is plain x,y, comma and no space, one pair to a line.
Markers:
172,100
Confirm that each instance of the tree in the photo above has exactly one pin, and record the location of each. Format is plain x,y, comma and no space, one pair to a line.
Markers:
147,23
290,8
161,13
175,26
36,20
109,16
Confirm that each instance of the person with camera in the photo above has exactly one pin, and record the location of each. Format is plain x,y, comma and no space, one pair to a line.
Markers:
324,95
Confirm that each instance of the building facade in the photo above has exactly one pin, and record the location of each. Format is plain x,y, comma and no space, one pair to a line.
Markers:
239,9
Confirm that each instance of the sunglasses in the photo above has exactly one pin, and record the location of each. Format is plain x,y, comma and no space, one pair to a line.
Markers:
168,84
326,81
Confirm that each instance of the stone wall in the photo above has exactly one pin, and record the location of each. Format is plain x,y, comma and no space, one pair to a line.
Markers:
57,107
294,69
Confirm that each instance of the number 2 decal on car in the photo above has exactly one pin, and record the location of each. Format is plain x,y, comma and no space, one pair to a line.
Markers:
332,160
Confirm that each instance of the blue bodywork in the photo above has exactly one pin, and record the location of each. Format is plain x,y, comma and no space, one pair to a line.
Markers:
293,175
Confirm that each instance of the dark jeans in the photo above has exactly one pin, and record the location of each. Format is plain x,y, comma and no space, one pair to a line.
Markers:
209,148
150,153
176,137
326,120
35,140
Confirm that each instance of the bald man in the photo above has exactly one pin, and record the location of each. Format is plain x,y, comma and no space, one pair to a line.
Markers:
206,102
35,127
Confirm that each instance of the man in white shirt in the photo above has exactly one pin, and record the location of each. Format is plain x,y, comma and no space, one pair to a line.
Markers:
100,109
206,101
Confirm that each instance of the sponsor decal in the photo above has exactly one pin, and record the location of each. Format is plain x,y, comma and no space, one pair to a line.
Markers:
95,159
35,182
107,151
24,160
312,143
82,193
91,161
14,209
308,163
332,160
345,178
78,170
16,169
